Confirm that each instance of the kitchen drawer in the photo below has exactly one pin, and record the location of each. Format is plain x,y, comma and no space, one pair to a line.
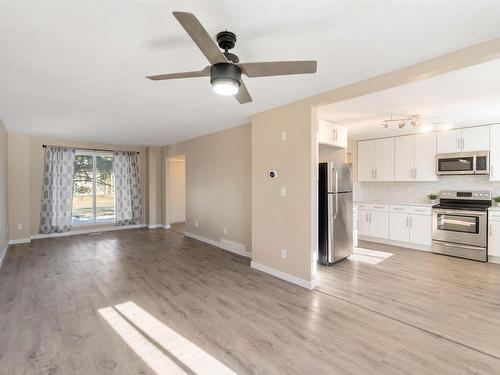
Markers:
494,215
400,209
419,210
412,210
379,207
362,206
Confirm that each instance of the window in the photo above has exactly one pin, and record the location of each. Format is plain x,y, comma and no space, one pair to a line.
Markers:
93,188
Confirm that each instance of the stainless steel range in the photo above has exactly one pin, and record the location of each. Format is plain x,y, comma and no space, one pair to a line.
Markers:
460,224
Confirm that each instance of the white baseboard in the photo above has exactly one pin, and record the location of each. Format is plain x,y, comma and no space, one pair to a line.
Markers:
284,276
166,226
4,253
395,243
493,259
86,231
22,240
231,246
154,226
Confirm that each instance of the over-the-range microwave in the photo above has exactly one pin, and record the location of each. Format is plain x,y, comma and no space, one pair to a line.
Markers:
463,163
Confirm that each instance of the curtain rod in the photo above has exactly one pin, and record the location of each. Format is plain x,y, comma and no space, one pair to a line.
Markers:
88,149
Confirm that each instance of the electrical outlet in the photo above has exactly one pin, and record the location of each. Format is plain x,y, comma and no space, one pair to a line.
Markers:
283,191
283,136
196,223
225,231
19,226
284,253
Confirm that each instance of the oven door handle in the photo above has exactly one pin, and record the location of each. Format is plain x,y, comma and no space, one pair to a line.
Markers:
450,211
451,244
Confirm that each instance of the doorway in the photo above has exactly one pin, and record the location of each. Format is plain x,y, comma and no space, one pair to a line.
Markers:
176,193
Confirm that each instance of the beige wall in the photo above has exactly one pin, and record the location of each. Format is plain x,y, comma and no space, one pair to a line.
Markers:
176,189
25,180
283,222
154,155
4,213
218,184
19,187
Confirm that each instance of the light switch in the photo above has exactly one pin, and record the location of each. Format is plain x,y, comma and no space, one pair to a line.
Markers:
283,191
283,136
196,223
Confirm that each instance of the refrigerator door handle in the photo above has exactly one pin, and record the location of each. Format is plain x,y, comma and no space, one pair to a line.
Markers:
336,191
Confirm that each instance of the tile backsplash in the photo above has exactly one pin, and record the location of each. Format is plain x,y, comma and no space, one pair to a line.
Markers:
416,192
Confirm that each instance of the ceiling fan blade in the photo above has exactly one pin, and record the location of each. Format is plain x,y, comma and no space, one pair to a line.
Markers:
201,37
243,96
199,73
278,68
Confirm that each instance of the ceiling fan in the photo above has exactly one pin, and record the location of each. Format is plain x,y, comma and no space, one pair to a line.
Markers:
225,70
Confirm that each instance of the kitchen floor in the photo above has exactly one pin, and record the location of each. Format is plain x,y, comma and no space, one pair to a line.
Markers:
454,299
144,301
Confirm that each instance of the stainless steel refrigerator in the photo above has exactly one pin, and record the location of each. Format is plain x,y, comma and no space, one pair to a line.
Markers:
335,212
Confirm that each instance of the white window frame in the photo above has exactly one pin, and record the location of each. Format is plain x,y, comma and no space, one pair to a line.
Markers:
94,221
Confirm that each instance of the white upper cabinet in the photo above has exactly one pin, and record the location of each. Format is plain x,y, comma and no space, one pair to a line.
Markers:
476,139
366,161
424,157
464,140
449,141
404,158
415,157
331,134
376,160
495,153
384,159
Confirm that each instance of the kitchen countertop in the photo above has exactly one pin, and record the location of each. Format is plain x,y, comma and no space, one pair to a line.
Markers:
425,204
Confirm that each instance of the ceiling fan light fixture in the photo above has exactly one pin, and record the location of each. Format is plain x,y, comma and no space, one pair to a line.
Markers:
225,78
226,87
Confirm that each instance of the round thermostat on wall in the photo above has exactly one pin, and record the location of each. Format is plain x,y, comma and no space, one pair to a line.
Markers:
273,173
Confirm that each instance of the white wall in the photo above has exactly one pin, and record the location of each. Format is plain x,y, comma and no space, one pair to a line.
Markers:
3,191
176,190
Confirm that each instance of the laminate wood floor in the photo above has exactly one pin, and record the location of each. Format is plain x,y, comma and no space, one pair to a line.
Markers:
51,291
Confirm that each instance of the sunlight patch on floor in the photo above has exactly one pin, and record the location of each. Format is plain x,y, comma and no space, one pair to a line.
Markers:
127,319
369,256
147,351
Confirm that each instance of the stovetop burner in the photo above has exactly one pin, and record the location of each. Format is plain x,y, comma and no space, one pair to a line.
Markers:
464,200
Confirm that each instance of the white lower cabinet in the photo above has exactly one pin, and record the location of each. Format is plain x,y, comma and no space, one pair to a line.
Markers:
494,236
421,230
379,224
411,225
373,223
400,230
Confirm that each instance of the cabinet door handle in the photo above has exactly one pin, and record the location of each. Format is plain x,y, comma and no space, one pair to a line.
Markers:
411,222
415,173
407,222
375,174
491,230
463,143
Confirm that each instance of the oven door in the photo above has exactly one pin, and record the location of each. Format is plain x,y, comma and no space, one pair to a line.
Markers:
459,226
462,163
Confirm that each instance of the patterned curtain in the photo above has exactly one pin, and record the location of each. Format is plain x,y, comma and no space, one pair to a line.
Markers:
127,188
57,190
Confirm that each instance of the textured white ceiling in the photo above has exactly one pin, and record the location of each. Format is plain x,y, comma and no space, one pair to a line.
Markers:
465,97
76,69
